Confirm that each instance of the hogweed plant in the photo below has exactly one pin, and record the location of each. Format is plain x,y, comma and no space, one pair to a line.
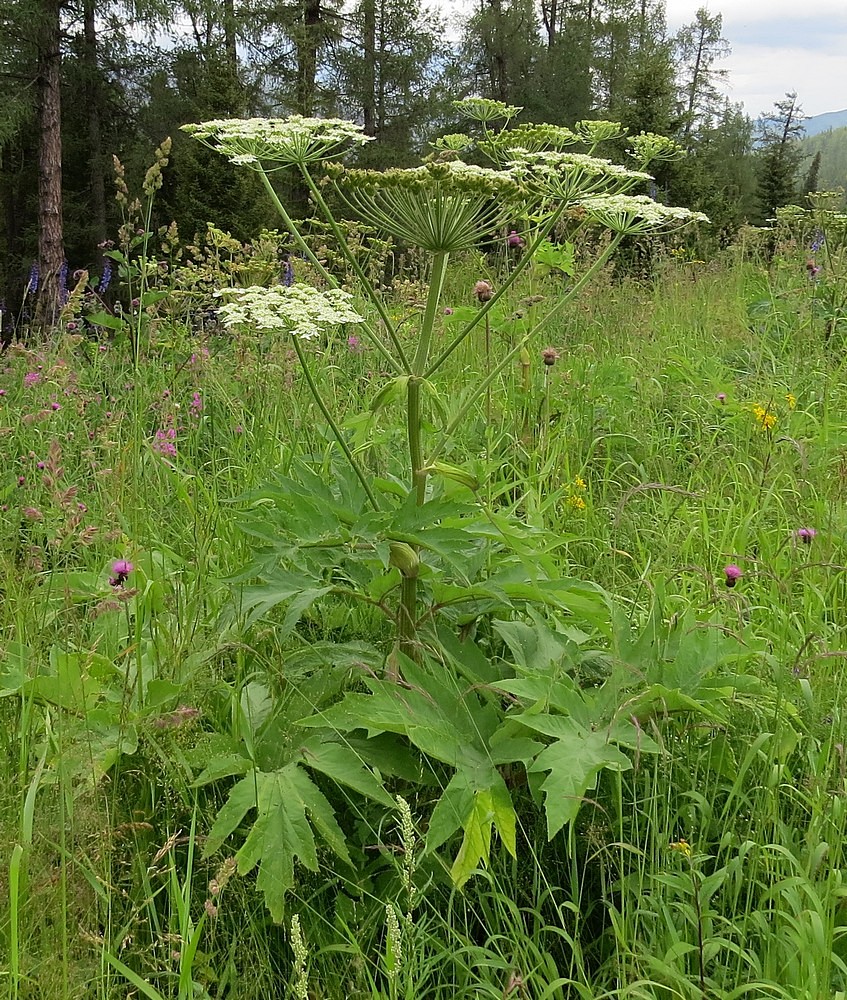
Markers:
442,208
408,549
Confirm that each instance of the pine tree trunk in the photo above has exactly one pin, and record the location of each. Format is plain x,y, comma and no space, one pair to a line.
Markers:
51,251
234,97
369,66
95,146
307,69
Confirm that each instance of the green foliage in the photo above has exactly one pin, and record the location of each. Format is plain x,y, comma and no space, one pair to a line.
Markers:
779,154
832,147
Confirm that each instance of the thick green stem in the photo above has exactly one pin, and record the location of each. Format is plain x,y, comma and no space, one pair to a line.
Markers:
407,631
408,610
328,278
483,386
440,261
336,430
413,432
366,285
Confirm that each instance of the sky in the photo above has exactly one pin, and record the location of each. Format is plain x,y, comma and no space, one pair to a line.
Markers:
777,46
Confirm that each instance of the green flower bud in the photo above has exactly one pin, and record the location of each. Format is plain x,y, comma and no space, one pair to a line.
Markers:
404,557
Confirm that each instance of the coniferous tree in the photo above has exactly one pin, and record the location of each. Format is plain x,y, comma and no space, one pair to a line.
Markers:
30,37
810,181
699,45
502,49
780,154
389,73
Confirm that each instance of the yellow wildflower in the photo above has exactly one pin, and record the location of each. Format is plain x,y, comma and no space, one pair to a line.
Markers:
580,484
791,399
577,502
682,846
764,418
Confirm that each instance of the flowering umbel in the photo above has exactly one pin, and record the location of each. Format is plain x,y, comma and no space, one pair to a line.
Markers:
441,207
282,141
300,309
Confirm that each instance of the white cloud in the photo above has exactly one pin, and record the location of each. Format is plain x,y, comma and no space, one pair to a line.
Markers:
777,46
755,11
758,76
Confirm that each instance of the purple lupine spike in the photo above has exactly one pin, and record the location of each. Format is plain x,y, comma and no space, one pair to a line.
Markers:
32,283
106,276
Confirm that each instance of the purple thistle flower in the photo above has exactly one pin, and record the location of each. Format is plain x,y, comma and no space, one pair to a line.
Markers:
805,535
121,569
733,574
514,240
721,397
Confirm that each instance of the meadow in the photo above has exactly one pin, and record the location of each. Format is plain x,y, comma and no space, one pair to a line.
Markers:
558,717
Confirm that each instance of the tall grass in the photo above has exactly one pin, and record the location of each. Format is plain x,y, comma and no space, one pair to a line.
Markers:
711,869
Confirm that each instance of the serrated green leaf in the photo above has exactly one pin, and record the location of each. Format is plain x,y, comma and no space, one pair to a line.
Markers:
341,763
476,804
574,762
298,607
222,767
278,587
285,802
450,811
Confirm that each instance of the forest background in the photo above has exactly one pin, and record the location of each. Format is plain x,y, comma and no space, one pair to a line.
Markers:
82,82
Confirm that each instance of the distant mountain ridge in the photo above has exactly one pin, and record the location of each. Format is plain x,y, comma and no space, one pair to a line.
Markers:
823,123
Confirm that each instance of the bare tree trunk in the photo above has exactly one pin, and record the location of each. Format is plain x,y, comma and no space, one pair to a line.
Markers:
369,67
51,250
97,178
499,74
307,68
234,96
692,90
550,18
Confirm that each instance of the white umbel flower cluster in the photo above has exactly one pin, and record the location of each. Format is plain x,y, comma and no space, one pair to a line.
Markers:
284,141
638,214
300,309
567,176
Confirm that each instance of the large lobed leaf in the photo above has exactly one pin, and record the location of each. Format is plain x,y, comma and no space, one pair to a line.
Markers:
288,805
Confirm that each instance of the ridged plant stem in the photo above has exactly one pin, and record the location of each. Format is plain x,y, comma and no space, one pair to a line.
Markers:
407,614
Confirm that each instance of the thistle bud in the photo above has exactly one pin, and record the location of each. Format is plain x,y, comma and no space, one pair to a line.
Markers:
483,291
